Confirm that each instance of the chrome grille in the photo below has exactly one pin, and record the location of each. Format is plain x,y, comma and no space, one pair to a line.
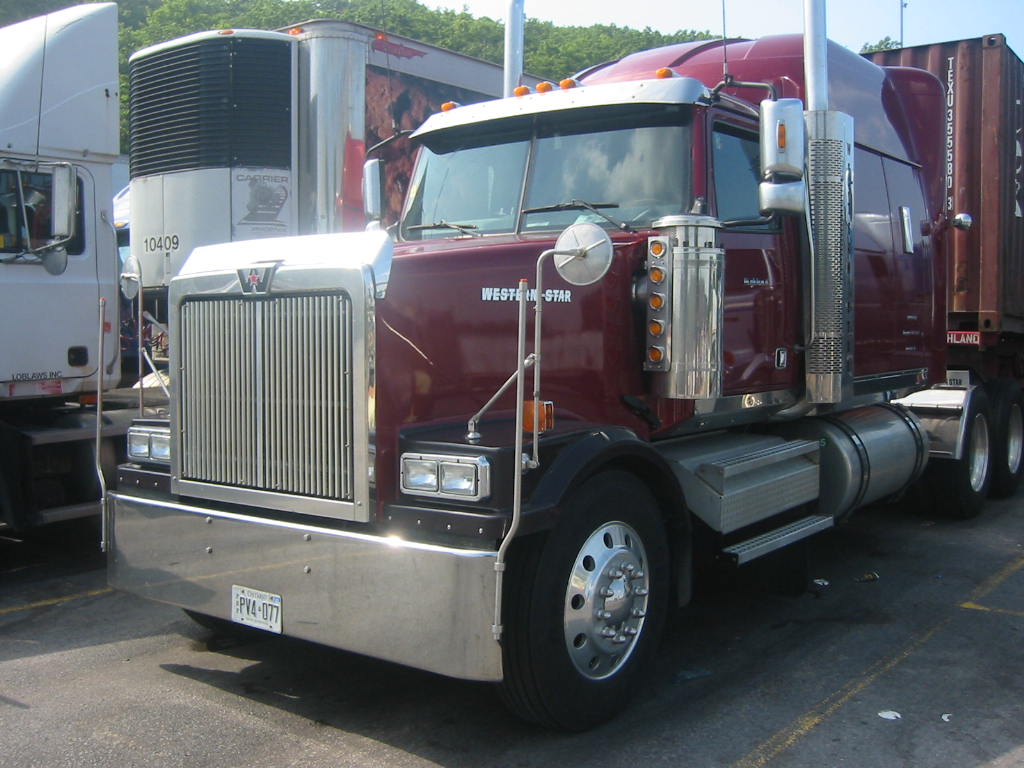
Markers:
266,393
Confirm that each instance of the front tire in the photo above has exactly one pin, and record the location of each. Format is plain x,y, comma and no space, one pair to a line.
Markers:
585,606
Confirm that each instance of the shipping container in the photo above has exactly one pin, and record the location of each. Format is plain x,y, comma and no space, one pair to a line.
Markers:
984,175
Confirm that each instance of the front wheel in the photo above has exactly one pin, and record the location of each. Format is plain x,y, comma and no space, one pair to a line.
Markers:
585,606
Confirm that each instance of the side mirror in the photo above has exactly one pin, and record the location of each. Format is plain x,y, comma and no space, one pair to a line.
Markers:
130,278
782,157
583,253
782,139
787,197
963,221
63,201
373,189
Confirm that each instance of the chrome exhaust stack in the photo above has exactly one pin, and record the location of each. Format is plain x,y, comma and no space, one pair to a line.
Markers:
829,305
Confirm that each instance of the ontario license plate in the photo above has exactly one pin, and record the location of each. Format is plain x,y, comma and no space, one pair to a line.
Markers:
256,608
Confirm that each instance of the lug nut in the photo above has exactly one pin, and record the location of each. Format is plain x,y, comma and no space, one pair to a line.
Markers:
604,614
638,575
636,613
605,592
607,632
640,591
615,573
619,639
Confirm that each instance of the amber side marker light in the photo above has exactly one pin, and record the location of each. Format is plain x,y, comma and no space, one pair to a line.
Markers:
657,301
226,32
657,275
448,106
546,416
545,87
781,135
664,72
656,327
655,354
521,90
567,84
657,248
296,31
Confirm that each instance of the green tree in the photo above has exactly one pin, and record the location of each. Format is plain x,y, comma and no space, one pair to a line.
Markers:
551,52
885,44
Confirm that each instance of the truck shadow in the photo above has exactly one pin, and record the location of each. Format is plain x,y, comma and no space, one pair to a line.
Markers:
52,551
737,633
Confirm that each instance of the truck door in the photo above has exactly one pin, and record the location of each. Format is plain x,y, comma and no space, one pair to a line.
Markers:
893,268
50,315
761,309
913,265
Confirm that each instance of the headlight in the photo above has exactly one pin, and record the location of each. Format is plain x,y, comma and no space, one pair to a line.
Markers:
419,475
138,444
453,477
149,443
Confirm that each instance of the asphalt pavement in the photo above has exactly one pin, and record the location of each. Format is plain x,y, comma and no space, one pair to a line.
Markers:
905,647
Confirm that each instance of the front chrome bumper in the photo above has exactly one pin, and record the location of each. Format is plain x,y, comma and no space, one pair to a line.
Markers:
421,605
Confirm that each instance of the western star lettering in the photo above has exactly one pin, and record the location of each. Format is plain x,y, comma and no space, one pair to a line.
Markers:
554,295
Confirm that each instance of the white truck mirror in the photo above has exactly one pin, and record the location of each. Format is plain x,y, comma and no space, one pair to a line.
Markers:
373,189
130,278
63,199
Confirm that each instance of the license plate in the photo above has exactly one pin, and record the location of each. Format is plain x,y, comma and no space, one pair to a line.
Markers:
256,608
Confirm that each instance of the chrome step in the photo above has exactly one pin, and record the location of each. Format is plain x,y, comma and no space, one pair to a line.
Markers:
731,481
753,548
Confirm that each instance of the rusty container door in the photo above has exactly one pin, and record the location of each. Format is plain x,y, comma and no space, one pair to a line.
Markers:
984,176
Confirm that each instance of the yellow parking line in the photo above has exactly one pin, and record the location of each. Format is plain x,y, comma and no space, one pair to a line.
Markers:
807,722
975,607
55,601
990,584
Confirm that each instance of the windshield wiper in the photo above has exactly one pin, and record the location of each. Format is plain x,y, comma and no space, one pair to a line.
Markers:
466,229
583,205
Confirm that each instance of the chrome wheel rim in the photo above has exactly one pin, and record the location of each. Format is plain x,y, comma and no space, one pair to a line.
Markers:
1014,438
979,452
606,600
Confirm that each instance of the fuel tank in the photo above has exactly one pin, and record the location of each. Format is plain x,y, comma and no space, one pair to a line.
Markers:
867,454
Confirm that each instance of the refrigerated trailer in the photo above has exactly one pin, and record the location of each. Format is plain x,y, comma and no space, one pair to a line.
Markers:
241,134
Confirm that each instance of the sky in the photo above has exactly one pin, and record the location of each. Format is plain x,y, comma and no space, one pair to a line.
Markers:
850,22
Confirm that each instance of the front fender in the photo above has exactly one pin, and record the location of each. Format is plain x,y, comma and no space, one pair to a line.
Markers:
603,448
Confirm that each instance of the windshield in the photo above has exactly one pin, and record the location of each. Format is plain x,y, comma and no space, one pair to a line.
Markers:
613,167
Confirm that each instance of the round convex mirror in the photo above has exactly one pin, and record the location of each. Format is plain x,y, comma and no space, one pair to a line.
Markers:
55,260
131,280
583,253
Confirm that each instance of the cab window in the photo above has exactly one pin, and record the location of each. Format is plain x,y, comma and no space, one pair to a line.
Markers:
736,158
25,222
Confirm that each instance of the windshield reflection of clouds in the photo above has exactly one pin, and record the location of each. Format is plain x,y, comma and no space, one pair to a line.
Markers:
644,171
617,167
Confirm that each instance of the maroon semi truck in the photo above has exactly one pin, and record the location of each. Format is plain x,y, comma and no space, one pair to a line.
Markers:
645,318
